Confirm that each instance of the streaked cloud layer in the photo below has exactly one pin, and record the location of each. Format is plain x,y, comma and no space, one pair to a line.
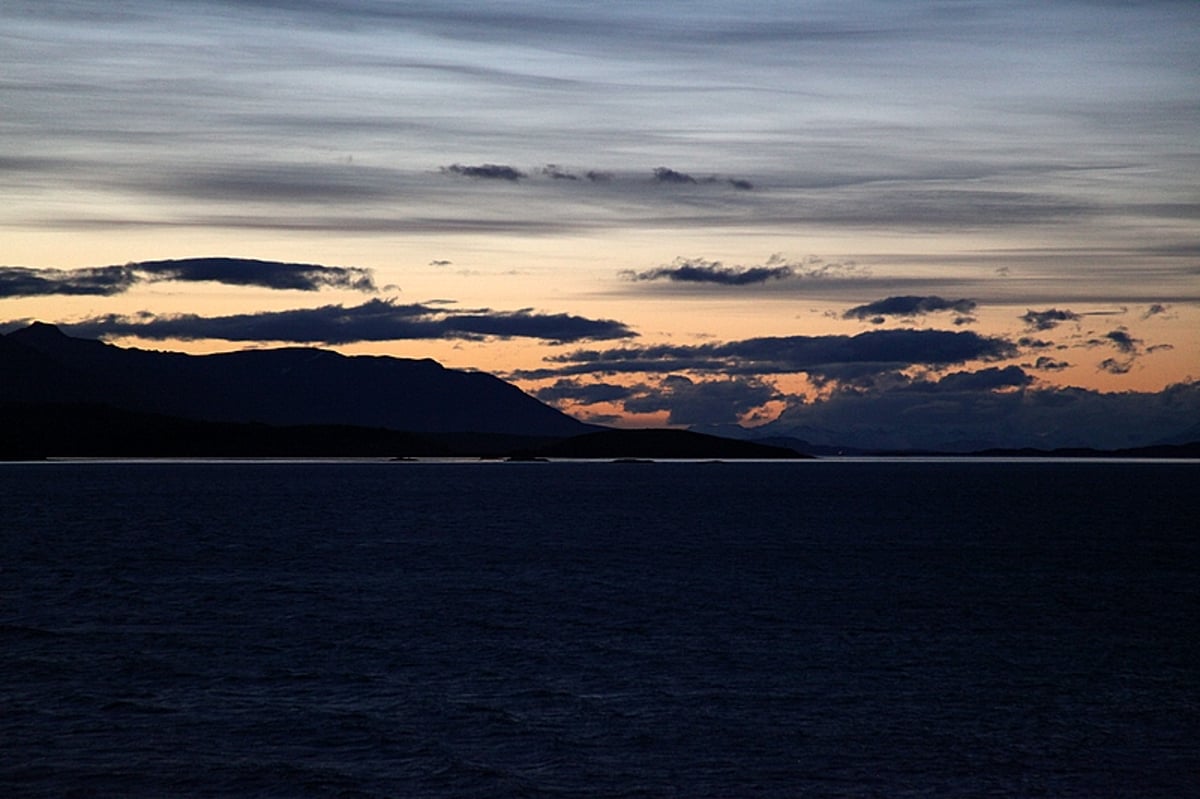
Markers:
734,183
20,281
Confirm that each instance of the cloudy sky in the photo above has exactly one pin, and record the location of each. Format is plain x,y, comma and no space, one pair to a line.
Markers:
931,215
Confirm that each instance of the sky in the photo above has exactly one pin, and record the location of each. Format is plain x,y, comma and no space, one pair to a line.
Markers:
900,222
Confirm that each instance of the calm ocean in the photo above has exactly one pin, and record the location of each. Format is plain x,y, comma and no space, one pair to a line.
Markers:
809,629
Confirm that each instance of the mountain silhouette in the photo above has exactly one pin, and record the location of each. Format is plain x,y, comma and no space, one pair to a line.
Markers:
290,386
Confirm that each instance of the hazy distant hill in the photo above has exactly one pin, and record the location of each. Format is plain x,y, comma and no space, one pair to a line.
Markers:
289,386
652,443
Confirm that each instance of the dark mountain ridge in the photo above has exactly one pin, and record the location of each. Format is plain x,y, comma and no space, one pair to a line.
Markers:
287,386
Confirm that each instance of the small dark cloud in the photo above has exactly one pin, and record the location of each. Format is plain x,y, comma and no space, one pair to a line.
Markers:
690,401
596,176
1157,309
987,379
664,175
700,271
567,390
554,171
486,171
776,267
440,262
1130,350
1047,364
18,281
376,320
21,281
908,306
1115,366
1048,319
1122,340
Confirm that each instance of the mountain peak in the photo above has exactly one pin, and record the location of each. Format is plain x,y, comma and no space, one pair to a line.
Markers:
38,330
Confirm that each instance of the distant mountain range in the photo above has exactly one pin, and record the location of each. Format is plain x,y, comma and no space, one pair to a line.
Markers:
289,386
65,396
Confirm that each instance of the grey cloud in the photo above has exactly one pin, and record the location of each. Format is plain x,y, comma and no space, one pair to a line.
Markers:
1115,366
910,418
909,306
20,281
1047,364
1130,350
987,379
1048,319
252,272
690,401
486,172
700,271
1122,340
554,171
598,176
872,351
16,281
663,174
376,320
565,390
776,268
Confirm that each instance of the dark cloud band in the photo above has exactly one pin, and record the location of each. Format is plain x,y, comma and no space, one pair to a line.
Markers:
376,320
828,356
908,306
18,281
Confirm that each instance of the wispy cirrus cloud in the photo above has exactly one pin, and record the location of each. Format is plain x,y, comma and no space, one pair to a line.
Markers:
375,320
19,281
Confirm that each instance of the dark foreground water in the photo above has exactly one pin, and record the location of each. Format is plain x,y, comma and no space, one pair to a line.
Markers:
607,630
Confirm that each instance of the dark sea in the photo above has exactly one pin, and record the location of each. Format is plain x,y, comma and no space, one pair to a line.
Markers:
808,629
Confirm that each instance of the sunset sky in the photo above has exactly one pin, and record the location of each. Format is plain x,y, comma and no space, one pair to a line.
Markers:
928,214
